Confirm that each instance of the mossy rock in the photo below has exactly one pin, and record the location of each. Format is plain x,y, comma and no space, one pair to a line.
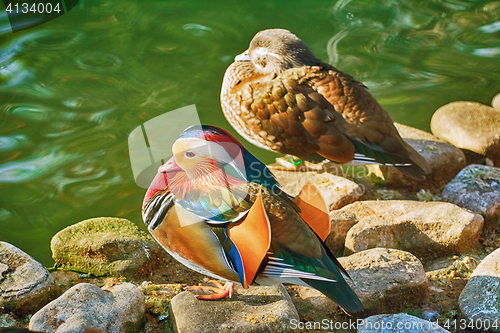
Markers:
107,246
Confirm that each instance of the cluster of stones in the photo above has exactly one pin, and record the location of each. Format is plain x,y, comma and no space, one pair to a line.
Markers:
400,253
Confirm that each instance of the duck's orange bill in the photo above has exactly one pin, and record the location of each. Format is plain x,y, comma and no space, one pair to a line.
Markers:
314,211
252,238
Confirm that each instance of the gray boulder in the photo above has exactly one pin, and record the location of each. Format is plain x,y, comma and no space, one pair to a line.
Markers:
25,285
257,309
477,188
426,229
480,299
86,307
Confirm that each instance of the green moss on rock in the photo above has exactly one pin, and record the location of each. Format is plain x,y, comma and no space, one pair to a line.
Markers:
106,246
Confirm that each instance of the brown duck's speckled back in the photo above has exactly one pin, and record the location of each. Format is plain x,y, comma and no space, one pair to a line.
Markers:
307,110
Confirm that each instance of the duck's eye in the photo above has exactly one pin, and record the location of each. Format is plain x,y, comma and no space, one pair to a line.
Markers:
189,154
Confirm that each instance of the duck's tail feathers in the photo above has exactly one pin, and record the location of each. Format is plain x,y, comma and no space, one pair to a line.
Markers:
339,292
411,164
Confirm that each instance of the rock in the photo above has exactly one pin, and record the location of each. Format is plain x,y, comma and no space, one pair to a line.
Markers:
108,246
6,320
387,280
470,126
477,187
495,102
480,299
341,221
401,323
451,268
159,296
118,308
445,161
426,229
257,309
336,191
25,285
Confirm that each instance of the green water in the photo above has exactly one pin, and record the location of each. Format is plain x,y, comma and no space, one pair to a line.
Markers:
73,89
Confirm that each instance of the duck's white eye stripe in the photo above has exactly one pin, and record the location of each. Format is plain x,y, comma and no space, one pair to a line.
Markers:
262,51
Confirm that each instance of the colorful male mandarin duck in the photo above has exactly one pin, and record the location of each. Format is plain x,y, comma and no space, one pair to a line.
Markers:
280,97
219,210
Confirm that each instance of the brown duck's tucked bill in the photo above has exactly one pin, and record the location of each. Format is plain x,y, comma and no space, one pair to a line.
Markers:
280,97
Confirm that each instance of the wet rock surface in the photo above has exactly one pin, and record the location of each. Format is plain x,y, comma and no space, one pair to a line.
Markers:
477,187
426,229
480,299
257,309
469,125
25,285
444,159
401,323
86,307
112,247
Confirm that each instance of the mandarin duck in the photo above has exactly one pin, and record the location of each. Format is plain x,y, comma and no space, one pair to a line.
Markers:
219,210
280,97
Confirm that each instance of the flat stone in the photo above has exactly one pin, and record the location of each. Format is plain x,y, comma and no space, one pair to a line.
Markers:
109,246
480,299
477,188
445,161
257,309
25,285
426,229
471,126
336,191
86,307
401,323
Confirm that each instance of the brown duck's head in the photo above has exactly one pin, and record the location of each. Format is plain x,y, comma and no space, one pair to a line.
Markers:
276,50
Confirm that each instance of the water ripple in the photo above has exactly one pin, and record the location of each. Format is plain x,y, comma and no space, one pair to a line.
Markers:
98,62
53,40
32,112
34,167
197,29
12,142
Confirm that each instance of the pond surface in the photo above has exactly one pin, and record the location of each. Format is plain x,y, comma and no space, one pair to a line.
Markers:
73,89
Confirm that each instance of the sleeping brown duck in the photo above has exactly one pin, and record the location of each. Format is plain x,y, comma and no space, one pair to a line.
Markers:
280,97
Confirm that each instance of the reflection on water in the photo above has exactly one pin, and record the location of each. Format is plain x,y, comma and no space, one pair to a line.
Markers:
73,89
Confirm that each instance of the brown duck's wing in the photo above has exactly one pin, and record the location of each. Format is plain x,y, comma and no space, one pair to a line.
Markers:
280,113
369,125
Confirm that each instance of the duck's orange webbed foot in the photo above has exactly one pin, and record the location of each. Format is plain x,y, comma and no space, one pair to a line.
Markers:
220,291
